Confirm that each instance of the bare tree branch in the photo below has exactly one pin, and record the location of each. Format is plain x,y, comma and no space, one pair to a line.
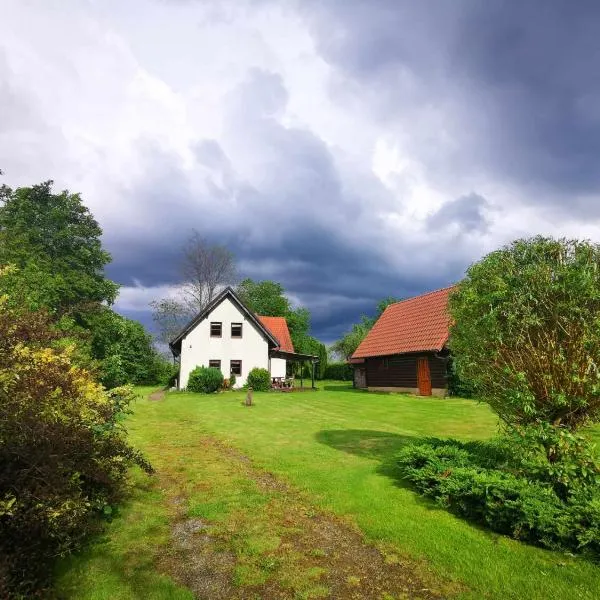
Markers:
205,269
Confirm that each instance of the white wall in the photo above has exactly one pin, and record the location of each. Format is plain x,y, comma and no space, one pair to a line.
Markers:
278,367
197,347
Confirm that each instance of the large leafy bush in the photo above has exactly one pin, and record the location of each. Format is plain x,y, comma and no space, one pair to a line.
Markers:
63,453
526,335
259,380
491,484
205,380
526,331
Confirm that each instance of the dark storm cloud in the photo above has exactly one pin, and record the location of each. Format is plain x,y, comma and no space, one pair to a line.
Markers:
506,94
290,225
518,81
466,212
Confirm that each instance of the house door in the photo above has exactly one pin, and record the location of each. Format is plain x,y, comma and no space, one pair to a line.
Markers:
423,377
360,378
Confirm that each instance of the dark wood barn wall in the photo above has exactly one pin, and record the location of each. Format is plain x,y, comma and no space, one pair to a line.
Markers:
401,371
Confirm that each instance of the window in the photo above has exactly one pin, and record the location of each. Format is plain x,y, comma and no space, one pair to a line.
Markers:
236,330
214,364
215,329
235,367
386,363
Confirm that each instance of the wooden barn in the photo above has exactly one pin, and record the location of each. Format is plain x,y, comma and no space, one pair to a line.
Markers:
406,351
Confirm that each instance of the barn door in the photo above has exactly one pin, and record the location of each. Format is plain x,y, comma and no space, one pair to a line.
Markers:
423,377
361,378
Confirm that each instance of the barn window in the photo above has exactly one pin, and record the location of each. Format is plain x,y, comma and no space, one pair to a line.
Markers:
216,329
386,363
235,367
214,364
236,330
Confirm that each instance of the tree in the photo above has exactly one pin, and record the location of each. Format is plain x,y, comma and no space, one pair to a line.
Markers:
55,242
526,331
347,345
265,298
124,348
170,317
205,268
268,298
526,334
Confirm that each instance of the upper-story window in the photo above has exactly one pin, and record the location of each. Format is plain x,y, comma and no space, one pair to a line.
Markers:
236,330
216,329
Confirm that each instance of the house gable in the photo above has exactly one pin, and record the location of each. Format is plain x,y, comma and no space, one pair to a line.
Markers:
229,295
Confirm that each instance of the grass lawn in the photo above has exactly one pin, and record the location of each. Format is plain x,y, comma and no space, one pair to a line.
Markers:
335,450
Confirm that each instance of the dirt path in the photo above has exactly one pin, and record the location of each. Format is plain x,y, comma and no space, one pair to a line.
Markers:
272,544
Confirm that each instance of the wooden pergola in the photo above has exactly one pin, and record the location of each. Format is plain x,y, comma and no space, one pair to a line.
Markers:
301,358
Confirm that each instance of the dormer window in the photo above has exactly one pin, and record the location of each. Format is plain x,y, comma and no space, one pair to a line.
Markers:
216,329
236,330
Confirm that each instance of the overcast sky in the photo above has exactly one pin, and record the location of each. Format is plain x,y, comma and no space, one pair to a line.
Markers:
348,149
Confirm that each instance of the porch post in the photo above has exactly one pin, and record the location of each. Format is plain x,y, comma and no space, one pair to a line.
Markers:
301,374
313,374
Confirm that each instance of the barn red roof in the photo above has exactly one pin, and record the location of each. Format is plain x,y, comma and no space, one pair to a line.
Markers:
414,325
279,330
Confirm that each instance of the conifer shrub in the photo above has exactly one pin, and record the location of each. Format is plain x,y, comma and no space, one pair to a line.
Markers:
492,485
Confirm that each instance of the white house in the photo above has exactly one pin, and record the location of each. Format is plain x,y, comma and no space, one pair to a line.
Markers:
228,336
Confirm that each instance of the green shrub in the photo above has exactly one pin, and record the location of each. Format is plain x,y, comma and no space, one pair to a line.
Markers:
232,381
486,483
259,380
53,416
339,371
525,332
205,380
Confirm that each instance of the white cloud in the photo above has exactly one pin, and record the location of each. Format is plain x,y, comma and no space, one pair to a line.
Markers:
234,118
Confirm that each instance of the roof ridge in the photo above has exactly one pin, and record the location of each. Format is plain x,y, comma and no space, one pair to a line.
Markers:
269,316
447,287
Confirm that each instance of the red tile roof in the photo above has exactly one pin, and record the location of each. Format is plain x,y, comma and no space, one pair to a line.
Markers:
279,329
413,325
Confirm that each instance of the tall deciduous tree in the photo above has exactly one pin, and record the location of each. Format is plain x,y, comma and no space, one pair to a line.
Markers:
265,298
55,242
268,298
205,268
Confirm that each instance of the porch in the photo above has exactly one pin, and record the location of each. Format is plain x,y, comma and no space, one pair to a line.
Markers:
289,384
